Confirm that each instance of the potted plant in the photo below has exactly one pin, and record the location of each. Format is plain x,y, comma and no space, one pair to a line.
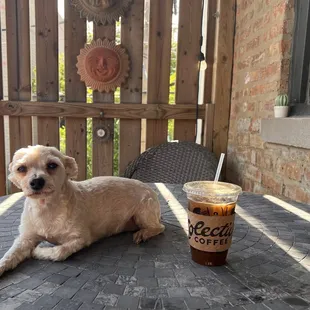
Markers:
281,107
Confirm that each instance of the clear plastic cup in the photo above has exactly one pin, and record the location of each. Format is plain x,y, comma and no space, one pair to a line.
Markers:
211,215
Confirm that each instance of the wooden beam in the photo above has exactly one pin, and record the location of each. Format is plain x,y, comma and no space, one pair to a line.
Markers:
222,74
122,110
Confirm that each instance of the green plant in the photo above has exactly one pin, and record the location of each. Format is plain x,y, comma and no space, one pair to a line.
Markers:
281,100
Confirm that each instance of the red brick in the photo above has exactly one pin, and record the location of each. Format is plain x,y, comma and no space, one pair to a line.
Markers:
243,139
289,191
253,173
307,175
255,125
256,141
302,195
291,170
247,185
243,124
273,183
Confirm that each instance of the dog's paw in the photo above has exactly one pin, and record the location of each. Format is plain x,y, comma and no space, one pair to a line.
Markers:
46,253
140,236
2,270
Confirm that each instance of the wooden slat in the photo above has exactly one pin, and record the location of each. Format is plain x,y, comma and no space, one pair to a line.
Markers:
2,158
222,74
158,66
208,127
123,110
19,81
132,40
2,149
75,38
103,150
187,63
47,67
209,58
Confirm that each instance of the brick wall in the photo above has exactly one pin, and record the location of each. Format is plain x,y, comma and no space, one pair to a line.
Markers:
261,69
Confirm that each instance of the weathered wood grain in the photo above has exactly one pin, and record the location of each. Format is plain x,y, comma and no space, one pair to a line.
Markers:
189,38
132,40
76,131
19,81
158,67
124,110
222,74
103,150
47,67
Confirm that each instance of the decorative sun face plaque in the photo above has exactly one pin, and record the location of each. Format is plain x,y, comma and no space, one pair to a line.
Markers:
103,65
102,11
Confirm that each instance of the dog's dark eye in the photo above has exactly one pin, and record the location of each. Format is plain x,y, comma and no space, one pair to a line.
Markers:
52,166
22,169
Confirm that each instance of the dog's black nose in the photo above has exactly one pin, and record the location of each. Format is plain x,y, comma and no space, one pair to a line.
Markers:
37,184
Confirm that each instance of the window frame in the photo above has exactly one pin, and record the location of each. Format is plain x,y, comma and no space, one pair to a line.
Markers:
300,61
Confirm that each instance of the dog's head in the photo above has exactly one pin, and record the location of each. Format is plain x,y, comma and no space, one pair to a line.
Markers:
41,171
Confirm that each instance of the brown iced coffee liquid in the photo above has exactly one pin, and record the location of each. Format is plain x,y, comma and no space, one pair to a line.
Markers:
209,209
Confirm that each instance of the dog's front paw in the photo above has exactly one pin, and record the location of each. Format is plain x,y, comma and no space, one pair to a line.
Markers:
46,253
2,269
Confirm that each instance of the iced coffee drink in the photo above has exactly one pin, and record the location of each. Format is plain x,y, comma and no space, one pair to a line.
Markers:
211,214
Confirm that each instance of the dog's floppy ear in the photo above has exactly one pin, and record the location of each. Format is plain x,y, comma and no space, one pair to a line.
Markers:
12,176
71,167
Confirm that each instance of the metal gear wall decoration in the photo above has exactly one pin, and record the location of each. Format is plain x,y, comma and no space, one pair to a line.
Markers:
103,65
102,11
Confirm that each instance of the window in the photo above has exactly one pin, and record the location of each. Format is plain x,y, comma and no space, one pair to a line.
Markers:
299,86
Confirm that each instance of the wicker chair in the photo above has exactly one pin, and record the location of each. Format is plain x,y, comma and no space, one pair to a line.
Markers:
174,163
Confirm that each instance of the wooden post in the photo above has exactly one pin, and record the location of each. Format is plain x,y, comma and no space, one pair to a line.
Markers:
76,131
103,150
19,80
2,149
187,64
158,66
47,67
132,40
209,58
222,74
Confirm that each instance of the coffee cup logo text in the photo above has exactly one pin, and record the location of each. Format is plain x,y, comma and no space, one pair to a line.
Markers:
208,235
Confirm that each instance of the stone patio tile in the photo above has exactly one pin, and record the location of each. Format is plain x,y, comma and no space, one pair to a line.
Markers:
47,301
67,304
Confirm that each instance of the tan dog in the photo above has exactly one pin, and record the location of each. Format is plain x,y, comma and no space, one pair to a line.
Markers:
70,214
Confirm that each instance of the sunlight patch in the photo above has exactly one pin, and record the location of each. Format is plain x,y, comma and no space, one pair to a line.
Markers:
178,210
287,206
9,202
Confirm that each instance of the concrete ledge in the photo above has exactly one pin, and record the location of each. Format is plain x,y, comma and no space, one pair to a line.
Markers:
288,131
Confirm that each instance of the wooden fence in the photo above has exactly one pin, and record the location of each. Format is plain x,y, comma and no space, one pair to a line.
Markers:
41,118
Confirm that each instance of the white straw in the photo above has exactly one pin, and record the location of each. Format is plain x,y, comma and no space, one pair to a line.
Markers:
219,168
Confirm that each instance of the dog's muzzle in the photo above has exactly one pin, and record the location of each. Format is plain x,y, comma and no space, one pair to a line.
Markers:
37,184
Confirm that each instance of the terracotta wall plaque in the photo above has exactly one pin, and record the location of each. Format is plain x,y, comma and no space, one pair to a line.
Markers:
103,65
102,11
